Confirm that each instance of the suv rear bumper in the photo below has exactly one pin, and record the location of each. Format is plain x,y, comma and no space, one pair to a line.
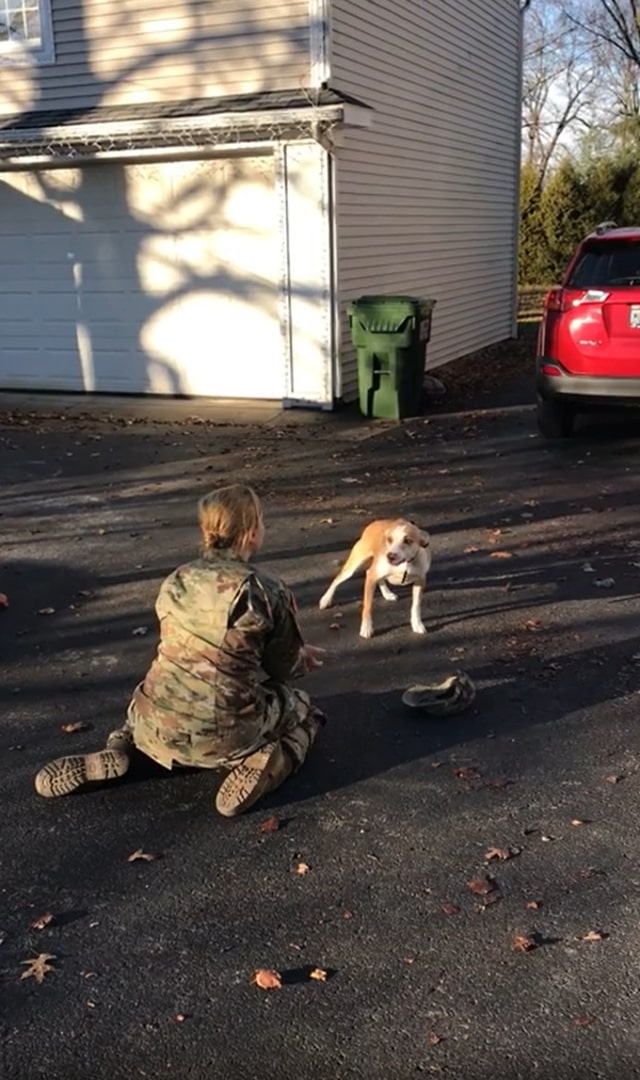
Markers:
584,390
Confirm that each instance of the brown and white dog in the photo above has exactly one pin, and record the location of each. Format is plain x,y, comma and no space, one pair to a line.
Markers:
396,552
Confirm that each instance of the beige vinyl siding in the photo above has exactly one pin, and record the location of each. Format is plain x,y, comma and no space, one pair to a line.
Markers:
426,198
140,51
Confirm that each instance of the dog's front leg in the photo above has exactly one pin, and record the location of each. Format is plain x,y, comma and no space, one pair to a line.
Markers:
386,591
417,624
366,626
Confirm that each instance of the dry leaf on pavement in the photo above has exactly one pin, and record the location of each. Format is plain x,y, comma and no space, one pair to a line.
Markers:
4,600
594,935
143,856
497,785
266,979
583,1021
38,967
615,778
270,825
46,611
302,868
77,725
318,974
42,921
466,773
579,821
533,905
502,853
450,909
481,886
434,1040
501,555
524,943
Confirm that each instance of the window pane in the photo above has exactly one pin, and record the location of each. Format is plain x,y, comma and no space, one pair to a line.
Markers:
602,263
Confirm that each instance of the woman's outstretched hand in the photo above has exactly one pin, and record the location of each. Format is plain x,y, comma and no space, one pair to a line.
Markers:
311,657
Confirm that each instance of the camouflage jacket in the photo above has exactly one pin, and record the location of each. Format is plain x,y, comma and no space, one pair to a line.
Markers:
224,625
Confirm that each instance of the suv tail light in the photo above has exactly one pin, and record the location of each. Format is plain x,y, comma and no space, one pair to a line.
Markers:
553,301
565,299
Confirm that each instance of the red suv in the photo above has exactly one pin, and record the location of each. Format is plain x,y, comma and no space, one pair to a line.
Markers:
588,352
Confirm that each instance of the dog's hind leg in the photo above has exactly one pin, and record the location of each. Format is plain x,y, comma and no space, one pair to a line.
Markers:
366,626
387,593
355,561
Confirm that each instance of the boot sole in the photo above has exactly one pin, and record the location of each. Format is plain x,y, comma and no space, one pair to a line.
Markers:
248,782
67,774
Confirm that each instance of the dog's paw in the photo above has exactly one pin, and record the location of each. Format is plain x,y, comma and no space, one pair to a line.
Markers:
325,601
366,629
418,628
388,595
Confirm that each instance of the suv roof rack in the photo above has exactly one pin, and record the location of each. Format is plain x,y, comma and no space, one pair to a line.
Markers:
604,227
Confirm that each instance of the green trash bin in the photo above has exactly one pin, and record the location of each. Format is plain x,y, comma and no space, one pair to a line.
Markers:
390,334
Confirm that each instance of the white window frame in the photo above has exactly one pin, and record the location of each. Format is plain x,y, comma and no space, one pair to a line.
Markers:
18,53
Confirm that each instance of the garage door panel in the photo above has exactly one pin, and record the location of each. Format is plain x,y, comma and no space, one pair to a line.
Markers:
157,278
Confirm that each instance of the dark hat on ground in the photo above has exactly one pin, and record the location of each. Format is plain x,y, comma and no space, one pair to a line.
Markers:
452,695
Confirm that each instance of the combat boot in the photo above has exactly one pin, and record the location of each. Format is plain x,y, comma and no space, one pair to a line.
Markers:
255,776
67,774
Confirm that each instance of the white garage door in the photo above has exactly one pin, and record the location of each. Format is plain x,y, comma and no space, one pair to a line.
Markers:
148,278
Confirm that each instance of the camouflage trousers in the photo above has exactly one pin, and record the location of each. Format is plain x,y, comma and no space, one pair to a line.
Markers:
289,716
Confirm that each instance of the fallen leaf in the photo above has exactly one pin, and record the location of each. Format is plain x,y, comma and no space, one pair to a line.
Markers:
466,773
501,555
271,824
533,625
502,853
347,914
524,943
471,551
4,600
318,974
481,886
547,839
3,937
335,626
497,785
579,821
77,725
594,935
489,900
437,764
614,779
449,909
46,611
180,1018
267,980
583,1021
42,921
140,631
604,583
533,905
140,855
434,1040
38,967
302,868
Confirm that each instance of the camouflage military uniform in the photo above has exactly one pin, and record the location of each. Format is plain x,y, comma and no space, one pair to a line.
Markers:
224,625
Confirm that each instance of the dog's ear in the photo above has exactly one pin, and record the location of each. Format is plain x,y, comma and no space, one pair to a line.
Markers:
424,538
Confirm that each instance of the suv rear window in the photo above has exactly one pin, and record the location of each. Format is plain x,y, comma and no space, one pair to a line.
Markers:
606,262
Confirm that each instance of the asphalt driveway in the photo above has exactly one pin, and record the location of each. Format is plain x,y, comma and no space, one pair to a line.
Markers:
534,591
